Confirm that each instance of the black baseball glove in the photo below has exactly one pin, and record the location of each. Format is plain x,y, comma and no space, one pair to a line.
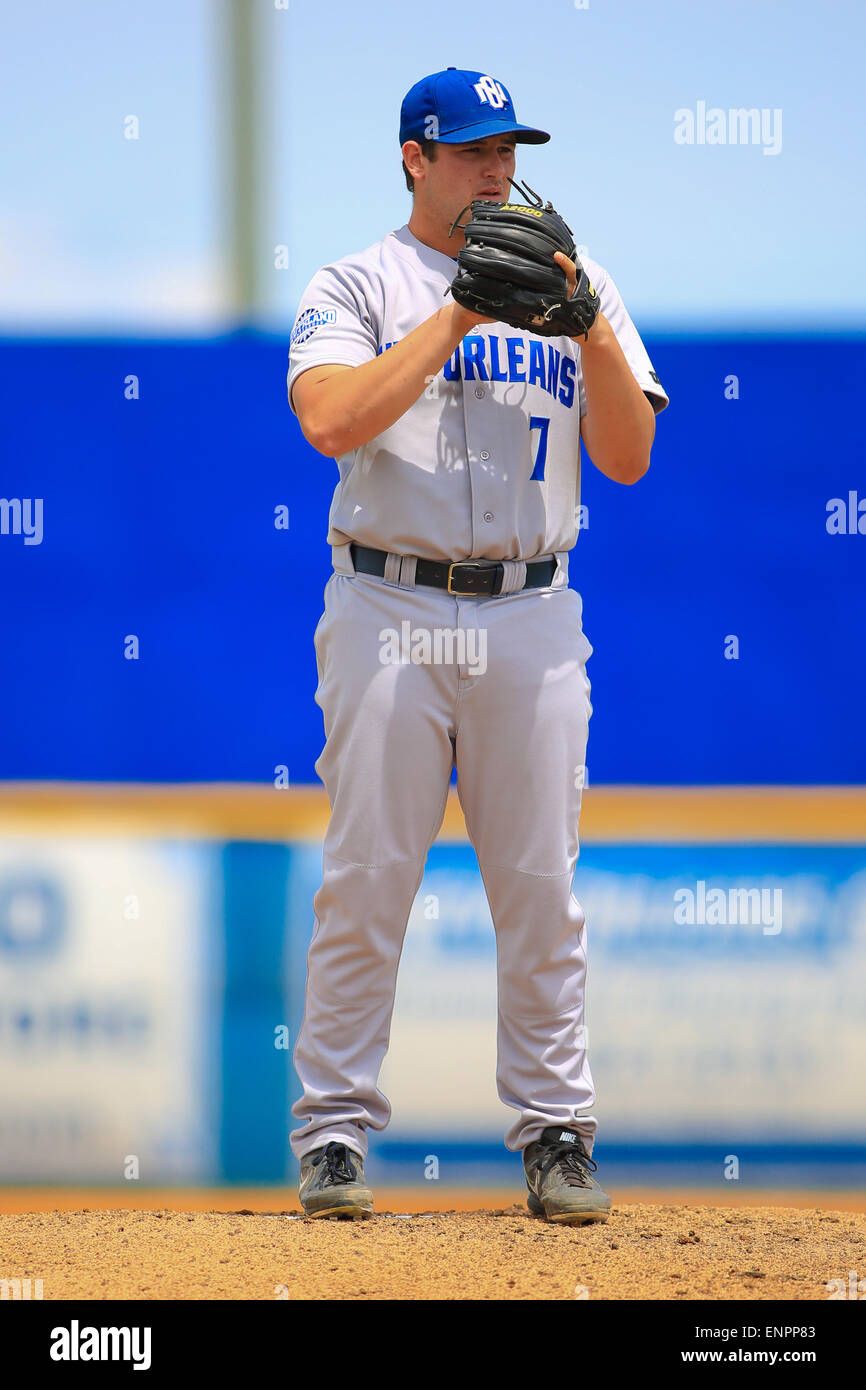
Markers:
506,269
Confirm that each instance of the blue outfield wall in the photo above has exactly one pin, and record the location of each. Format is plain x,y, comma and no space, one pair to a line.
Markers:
158,521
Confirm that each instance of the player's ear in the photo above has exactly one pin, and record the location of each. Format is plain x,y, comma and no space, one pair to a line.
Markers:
412,157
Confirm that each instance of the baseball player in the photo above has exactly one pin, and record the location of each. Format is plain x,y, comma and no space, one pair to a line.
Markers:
457,437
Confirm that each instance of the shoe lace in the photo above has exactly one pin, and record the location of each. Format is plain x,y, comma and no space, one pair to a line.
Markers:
573,1163
338,1164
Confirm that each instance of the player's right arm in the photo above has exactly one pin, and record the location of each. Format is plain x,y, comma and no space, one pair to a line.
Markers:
340,408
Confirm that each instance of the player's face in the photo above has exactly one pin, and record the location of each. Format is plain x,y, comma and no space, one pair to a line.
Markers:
479,169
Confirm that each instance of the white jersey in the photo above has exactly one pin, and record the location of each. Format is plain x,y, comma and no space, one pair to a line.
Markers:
486,463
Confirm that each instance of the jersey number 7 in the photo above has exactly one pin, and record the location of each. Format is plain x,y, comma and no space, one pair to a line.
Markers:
542,424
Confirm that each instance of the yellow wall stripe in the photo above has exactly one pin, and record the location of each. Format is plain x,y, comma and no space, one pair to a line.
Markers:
610,815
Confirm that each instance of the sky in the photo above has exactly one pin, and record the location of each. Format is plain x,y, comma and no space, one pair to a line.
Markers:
104,234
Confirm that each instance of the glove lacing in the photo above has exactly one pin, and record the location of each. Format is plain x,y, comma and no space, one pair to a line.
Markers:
533,198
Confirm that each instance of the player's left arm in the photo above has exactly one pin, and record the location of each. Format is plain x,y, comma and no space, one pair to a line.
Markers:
619,423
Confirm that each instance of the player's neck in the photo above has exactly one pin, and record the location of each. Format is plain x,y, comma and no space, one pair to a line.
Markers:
433,233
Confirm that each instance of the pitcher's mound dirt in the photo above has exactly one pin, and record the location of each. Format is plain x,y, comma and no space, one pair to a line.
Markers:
643,1252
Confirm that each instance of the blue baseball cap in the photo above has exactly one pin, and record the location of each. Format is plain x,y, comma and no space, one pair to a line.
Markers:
456,106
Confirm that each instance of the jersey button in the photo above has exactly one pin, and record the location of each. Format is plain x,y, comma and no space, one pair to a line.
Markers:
488,516
479,391
485,454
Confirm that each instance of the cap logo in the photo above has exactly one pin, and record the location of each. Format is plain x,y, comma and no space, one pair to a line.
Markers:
567,1137
492,92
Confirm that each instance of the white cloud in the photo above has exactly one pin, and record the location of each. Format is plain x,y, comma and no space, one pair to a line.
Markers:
45,285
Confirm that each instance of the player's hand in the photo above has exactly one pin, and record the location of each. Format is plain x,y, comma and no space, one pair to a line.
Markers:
566,264
468,317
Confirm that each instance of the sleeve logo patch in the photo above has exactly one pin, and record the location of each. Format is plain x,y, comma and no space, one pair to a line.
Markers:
309,321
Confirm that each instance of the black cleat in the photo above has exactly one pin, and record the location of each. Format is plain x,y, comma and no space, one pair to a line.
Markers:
332,1183
557,1169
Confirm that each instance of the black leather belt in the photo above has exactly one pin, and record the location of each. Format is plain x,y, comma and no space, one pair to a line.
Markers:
466,578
